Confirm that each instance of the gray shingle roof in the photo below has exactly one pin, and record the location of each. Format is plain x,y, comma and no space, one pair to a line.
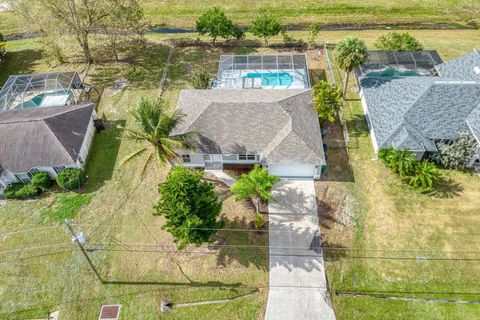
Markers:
412,112
473,122
280,125
42,136
461,68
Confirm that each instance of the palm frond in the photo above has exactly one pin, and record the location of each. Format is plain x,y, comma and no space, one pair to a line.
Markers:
132,155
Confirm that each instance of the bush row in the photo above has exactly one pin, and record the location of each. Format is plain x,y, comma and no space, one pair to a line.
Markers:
68,179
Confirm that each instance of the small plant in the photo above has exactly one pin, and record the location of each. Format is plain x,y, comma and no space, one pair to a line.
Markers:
313,31
71,179
259,222
3,51
42,181
396,41
200,78
11,191
385,155
424,175
256,185
326,100
266,26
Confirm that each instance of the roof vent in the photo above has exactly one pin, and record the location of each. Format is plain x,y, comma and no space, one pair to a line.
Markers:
477,70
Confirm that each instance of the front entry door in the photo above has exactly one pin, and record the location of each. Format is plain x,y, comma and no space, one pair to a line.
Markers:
216,158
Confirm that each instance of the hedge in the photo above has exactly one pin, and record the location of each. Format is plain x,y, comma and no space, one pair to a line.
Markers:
71,179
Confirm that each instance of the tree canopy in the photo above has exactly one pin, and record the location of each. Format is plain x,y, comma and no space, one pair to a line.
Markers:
396,41
190,207
265,26
3,50
257,184
326,100
155,125
215,23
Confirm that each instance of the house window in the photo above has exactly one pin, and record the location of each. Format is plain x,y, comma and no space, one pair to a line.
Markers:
186,158
58,169
23,177
32,172
247,157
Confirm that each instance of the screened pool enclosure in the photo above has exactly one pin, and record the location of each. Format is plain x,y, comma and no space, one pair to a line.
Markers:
41,90
399,63
279,71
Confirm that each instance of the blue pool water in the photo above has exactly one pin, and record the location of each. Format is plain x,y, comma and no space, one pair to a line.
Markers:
273,79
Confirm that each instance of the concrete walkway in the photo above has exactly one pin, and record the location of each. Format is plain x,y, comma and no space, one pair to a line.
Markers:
222,176
297,275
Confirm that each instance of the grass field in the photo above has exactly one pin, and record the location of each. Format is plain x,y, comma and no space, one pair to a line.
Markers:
298,14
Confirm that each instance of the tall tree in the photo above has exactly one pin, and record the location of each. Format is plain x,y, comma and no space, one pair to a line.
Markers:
326,100
396,41
125,20
257,185
190,207
216,24
352,52
265,26
79,17
155,126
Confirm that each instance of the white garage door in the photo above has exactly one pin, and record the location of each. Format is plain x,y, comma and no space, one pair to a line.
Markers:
292,170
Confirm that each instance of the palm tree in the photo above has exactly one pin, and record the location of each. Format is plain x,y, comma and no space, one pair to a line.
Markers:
425,175
402,162
352,52
155,128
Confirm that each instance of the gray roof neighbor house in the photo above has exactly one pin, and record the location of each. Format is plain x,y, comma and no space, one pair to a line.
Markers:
412,112
279,125
42,136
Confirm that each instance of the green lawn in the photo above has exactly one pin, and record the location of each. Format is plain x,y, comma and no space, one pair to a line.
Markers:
298,14
393,228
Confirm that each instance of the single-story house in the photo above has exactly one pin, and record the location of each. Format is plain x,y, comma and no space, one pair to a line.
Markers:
240,127
47,139
412,100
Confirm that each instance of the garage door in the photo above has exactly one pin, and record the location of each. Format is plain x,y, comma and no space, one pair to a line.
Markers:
289,170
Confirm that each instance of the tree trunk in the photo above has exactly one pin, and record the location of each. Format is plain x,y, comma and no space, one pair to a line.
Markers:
345,84
266,41
84,43
257,205
213,41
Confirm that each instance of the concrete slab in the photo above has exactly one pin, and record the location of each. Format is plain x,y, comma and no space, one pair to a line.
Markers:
297,275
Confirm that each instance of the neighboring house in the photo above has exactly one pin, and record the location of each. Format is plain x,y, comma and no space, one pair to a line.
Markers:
240,127
44,139
412,100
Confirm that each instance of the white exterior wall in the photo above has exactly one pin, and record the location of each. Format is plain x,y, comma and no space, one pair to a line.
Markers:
370,128
87,141
198,160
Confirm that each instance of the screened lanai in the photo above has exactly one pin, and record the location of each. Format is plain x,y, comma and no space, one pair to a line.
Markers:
399,63
278,71
41,90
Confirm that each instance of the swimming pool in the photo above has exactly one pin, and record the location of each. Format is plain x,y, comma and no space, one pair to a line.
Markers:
272,79
390,72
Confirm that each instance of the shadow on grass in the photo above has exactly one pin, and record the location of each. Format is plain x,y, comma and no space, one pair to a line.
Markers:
19,62
357,125
143,66
235,253
103,156
446,188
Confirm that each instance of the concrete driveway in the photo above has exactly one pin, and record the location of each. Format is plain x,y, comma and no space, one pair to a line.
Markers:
297,275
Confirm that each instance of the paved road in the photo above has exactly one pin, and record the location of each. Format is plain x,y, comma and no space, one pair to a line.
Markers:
297,275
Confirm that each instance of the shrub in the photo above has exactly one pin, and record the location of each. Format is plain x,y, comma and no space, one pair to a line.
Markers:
396,41
259,222
70,179
27,191
11,191
313,31
200,78
424,175
458,153
3,51
326,100
42,181
385,155
20,191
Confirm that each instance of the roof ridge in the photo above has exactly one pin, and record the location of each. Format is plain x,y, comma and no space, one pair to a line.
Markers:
74,108
207,105
64,150
279,137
